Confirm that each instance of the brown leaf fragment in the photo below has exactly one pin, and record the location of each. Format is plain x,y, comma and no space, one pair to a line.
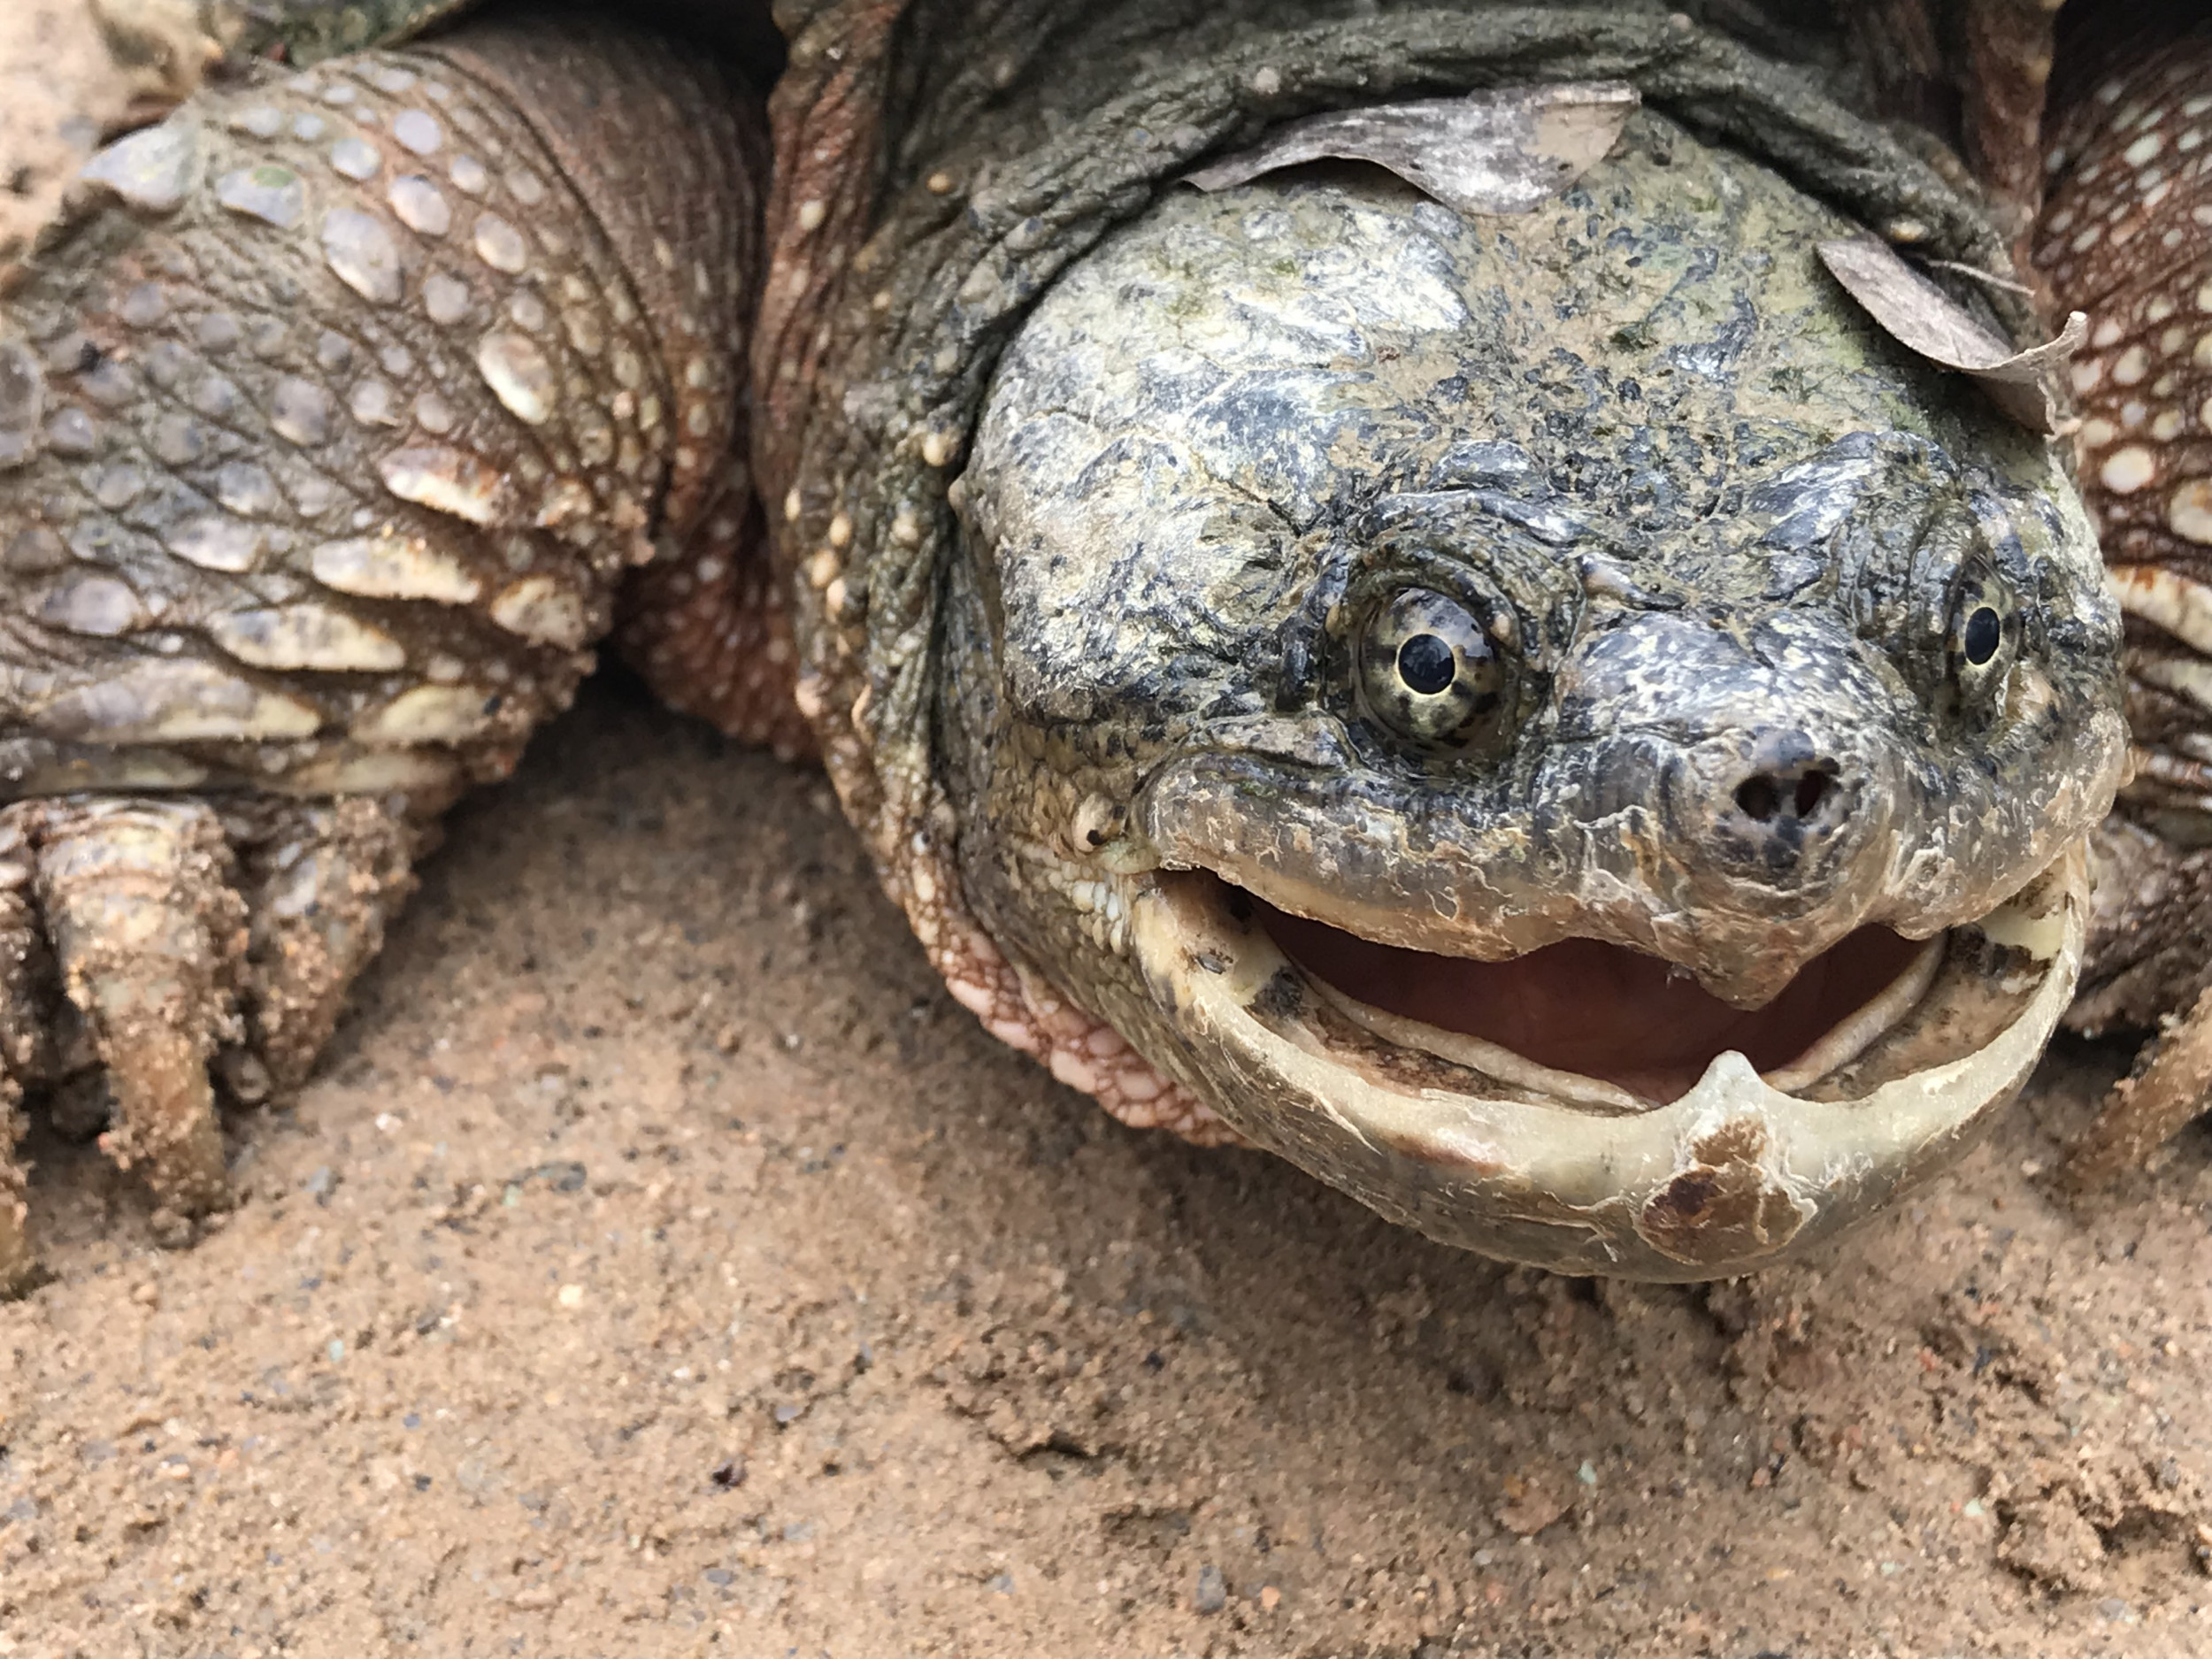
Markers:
1921,317
1504,151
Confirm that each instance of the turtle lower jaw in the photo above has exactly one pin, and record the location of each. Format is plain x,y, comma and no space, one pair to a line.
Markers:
1701,1166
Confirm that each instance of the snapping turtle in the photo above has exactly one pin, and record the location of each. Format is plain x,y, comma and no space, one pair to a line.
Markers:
1553,720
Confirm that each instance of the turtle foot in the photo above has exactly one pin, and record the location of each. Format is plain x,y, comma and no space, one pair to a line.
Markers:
159,955
2171,1084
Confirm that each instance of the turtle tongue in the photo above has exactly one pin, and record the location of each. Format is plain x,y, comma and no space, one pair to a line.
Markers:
1596,1008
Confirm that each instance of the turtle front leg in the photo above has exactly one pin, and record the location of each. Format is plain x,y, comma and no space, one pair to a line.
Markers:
333,416
2171,1084
2147,969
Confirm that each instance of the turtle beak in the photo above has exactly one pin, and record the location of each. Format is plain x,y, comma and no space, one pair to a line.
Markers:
1482,1147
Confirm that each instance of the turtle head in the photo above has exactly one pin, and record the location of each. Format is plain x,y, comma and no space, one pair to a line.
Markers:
1550,722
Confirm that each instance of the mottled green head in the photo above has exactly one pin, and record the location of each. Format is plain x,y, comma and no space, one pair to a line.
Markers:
1552,722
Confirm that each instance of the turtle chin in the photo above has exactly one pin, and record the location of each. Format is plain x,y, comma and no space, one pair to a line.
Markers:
1586,1109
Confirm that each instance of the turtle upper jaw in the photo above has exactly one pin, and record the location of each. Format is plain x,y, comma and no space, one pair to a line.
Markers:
1716,1158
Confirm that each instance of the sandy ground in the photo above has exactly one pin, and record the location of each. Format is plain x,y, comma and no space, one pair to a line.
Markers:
662,1264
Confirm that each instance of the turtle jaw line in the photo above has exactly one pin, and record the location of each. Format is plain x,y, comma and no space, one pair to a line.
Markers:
1597,1023
1480,1148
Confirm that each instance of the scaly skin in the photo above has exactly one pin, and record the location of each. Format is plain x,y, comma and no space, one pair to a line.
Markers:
2124,238
330,423
1725,529
1037,899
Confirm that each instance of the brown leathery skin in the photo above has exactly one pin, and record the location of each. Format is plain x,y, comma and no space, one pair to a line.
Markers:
1971,75
332,417
2126,236
708,627
2007,49
2123,239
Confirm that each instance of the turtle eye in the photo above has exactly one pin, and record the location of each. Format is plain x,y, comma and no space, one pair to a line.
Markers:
1430,669
1983,636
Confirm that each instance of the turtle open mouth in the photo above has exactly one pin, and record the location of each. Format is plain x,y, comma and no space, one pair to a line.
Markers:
1587,1109
1584,1008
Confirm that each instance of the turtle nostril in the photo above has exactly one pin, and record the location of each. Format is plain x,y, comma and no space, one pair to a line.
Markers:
1766,797
1759,797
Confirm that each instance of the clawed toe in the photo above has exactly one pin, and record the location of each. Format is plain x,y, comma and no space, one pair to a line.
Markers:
148,933
163,944
2171,1084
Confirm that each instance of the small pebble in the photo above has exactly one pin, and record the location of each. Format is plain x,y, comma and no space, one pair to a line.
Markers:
1212,1593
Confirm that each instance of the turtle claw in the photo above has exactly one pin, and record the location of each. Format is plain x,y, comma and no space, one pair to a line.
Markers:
2170,1086
320,880
179,954
148,934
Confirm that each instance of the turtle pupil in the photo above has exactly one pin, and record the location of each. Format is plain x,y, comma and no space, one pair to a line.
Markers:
1985,631
1427,665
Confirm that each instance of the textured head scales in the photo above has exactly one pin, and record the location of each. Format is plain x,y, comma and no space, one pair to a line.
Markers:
1779,652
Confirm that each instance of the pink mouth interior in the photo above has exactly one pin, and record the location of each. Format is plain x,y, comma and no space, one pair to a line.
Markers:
1596,1008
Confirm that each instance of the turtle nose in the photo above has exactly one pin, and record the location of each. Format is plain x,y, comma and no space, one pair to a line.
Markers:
1762,769
1788,810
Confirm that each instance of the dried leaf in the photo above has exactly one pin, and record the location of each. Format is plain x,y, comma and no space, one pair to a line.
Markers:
1506,152
1921,317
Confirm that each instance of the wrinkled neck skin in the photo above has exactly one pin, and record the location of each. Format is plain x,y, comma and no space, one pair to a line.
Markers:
1553,723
